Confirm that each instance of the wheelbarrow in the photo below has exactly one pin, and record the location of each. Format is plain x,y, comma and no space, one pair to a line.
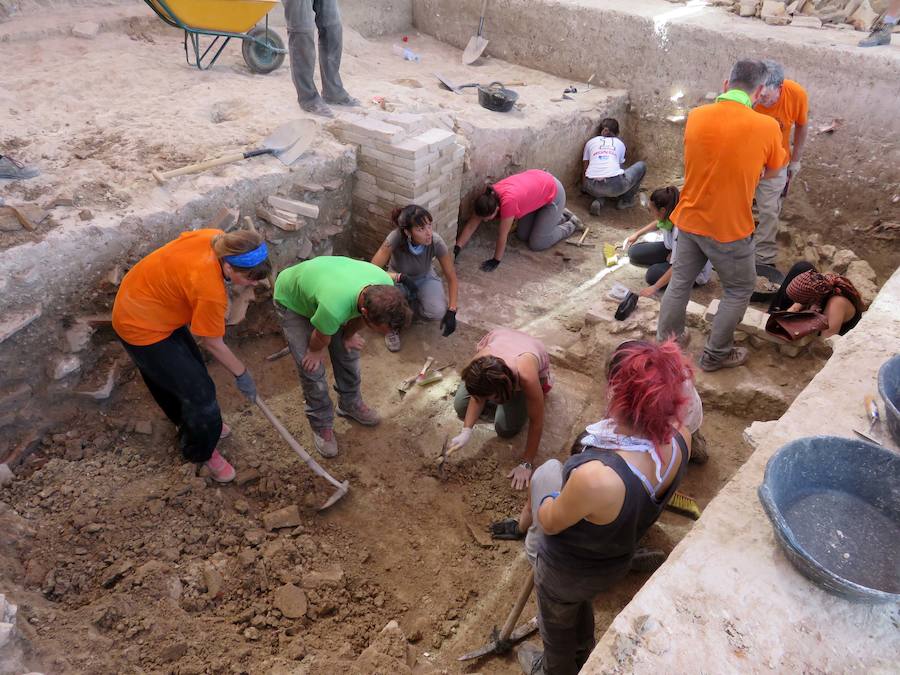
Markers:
222,20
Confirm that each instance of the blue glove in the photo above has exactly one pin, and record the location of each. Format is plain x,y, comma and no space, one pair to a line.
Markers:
246,385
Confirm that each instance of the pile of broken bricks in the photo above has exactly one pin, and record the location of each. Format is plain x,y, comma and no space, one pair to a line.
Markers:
855,14
287,214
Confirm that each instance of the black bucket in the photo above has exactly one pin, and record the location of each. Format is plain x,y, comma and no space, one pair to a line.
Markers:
496,97
835,507
889,388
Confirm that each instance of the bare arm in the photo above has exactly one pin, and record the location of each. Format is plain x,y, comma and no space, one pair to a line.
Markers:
470,228
589,491
224,355
660,283
382,256
352,327
534,404
502,234
449,272
800,133
473,412
649,227
318,341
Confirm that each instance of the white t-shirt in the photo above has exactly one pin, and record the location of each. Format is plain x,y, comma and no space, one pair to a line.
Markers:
606,155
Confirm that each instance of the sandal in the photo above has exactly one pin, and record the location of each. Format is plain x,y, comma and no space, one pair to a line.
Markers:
506,529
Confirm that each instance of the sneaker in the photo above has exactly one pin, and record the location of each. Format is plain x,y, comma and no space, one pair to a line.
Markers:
647,560
326,443
737,357
575,220
360,412
345,100
699,455
597,206
225,433
14,170
878,37
317,107
392,341
219,468
531,659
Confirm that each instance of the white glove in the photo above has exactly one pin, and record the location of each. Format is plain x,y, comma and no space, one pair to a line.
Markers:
793,168
458,441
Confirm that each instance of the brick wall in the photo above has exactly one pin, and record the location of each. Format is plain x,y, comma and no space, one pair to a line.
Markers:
401,160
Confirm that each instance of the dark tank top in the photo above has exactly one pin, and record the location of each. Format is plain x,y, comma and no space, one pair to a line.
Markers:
589,548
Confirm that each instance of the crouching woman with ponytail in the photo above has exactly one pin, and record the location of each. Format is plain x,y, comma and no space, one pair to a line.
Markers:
509,375
536,199
594,509
409,251
175,293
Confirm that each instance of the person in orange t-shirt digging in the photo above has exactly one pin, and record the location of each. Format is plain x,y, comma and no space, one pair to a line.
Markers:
727,145
176,291
787,102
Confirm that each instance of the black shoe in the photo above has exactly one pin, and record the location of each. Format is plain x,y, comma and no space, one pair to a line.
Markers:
15,170
531,659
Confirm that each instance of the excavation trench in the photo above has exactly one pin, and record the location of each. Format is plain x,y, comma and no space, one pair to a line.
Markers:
120,557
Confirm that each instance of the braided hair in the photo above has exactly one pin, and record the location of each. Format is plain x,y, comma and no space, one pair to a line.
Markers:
489,377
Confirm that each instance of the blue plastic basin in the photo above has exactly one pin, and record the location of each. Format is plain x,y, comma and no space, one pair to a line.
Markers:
889,388
835,506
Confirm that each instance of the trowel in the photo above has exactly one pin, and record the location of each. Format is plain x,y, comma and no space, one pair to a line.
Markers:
476,43
287,143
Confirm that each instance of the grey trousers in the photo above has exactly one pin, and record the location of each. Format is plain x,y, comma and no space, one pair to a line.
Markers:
768,204
509,417
737,272
624,186
430,301
303,18
543,228
345,364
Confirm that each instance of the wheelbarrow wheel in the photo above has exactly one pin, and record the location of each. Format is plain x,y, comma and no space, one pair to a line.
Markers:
266,57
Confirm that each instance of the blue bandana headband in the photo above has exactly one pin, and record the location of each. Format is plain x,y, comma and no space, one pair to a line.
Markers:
251,258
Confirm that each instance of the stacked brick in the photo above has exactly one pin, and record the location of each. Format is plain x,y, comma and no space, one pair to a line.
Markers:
401,161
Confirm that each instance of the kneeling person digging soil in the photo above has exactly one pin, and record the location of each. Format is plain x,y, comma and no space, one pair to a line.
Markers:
322,305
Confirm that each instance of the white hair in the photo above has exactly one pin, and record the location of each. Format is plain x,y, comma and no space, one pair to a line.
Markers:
774,73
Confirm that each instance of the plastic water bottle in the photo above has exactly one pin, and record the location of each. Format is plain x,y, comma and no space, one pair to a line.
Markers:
406,53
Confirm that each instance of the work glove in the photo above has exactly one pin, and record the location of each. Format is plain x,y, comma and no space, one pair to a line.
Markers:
456,250
448,323
246,385
521,476
793,169
490,265
408,284
460,440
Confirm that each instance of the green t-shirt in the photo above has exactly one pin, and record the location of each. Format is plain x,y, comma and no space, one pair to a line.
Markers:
326,289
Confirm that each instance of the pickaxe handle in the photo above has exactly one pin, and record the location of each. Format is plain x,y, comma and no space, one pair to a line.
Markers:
516,611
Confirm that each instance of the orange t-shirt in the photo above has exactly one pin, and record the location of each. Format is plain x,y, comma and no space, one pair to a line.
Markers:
726,146
176,285
792,108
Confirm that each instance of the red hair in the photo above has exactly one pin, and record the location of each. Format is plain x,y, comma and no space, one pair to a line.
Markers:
646,388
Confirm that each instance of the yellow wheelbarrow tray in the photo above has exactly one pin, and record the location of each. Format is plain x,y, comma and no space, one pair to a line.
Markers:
263,49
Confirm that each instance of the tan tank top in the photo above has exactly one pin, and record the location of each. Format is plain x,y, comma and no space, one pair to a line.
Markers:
509,344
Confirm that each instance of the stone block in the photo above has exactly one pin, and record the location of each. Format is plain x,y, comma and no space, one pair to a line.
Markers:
790,350
861,275
16,320
332,577
396,188
290,601
748,8
410,122
411,148
803,21
772,8
6,475
86,29
753,322
842,259
368,128
712,310
437,139
694,314
289,516
780,20
64,365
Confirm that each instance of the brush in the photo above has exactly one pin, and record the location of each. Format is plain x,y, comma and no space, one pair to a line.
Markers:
684,505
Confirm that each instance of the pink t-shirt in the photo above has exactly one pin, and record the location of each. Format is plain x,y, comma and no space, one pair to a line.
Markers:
509,344
525,192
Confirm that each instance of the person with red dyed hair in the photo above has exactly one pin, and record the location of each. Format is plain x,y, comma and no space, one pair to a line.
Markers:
594,509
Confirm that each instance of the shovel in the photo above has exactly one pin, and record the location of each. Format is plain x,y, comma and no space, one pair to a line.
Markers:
503,641
476,42
342,488
287,143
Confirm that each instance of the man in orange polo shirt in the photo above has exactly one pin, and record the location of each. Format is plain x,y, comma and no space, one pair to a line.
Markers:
726,147
787,102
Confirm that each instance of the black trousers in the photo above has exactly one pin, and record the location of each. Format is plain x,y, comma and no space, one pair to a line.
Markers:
176,376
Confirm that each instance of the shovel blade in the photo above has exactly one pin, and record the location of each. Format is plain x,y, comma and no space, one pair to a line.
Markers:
474,49
290,140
